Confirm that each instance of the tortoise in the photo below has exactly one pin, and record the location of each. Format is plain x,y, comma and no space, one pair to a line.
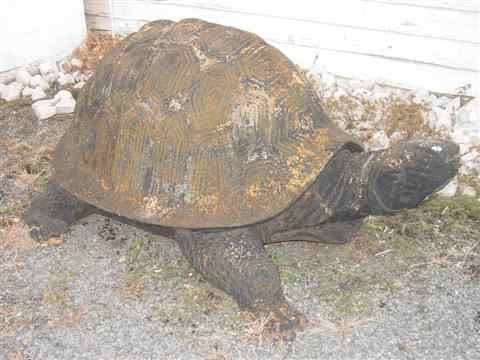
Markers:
210,136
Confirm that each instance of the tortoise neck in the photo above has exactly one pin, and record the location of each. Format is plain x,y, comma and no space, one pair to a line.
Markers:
338,194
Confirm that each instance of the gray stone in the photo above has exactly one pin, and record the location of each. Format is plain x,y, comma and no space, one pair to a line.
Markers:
62,95
453,106
379,140
47,68
439,119
23,77
450,190
421,95
27,91
79,85
65,106
44,109
12,91
38,94
468,190
35,80
65,79
76,63
44,84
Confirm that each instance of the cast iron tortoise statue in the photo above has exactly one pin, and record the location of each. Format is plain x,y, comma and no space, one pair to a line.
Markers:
210,135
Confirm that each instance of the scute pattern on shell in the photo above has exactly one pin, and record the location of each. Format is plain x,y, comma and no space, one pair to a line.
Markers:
195,125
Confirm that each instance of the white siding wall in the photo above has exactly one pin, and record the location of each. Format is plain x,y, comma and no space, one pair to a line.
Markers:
412,43
32,30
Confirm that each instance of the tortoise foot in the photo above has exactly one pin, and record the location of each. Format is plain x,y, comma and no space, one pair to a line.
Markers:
43,228
284,322
52,212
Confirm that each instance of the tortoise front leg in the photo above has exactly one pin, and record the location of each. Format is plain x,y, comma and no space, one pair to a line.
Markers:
236,262
52,212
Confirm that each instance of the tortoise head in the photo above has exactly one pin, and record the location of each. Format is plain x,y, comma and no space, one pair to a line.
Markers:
409,172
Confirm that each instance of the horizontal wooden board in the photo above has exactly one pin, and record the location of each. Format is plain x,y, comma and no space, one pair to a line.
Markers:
395,35
373,16
447,5
405,74
438,52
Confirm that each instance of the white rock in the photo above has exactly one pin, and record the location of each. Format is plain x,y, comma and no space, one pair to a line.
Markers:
87,74
51,77
27,91
369,84
366,125
379,141
44,109
62,95
361,92
65,66
339,93
76,63
420,96
38,94
468,190
35,80
23,77
2,87
433,101
79,85
328,79
469,115
439,119
65,79
450,190
453,105
470,162
396,136
12,91
466,133
47,68
380,92
443,101
65,106
354,84
44,84
76,75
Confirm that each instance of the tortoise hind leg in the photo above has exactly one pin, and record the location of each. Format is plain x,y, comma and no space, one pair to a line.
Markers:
52,212
236,262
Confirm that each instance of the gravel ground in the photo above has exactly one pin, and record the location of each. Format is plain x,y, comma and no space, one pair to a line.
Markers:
407,288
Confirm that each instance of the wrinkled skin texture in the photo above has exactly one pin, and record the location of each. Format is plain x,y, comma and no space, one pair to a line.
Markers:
350,187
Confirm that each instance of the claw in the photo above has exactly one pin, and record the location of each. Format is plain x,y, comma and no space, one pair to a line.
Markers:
285,322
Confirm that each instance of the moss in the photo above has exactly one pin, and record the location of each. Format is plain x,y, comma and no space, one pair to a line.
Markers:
279,259
459,208
135,249
10,208
288,277
56,297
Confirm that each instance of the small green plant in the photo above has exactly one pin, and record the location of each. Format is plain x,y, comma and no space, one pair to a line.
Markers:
135,249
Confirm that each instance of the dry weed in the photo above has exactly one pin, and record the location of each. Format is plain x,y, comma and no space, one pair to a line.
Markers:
95,46
16,237
257,327
343,327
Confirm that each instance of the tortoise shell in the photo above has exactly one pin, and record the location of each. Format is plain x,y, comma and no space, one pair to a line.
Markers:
195,125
